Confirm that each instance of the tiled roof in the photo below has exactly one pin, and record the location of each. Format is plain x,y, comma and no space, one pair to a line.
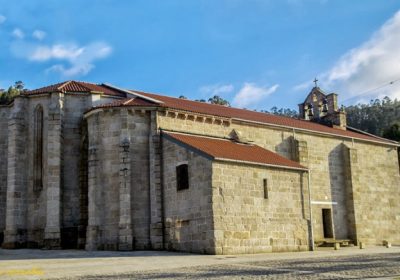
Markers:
202,108
224,149
247,115
135,101
77,87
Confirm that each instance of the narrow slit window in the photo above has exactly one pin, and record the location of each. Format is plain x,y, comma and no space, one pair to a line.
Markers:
182,177
38,149
265,185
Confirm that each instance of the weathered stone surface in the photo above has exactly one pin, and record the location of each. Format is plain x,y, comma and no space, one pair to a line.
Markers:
4,112
329,168
109,182
188,213
245,221
119,181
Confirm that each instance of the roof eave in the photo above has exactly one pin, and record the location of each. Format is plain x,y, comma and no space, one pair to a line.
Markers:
95,110
304,169
386,142
134,93
371,135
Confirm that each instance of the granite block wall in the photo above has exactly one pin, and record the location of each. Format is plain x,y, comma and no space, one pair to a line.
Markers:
119,210
4,113
373,182
249,218
74,107
15,234
188,212
326,158
36,195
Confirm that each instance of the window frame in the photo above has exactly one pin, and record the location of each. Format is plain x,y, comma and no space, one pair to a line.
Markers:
38,152
265,188
182,176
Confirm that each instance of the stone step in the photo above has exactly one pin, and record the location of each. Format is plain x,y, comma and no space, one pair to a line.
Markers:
330,242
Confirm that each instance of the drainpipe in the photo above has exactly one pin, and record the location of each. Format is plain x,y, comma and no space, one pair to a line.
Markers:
310,209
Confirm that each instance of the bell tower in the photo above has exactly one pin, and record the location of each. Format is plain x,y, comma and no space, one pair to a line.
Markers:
322,108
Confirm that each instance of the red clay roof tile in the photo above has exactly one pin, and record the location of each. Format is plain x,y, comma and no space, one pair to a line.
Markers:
224,149
203,108
135,101
77,87
247,115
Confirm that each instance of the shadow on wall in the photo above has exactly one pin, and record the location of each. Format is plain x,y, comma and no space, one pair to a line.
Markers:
339,197
286,148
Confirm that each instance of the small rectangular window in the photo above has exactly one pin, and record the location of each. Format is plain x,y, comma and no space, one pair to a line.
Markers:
182,177
265,184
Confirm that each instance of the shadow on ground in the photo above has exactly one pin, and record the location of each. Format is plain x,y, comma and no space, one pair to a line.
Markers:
356,267
35,254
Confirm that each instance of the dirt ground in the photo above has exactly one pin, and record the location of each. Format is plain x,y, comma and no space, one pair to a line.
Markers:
326,263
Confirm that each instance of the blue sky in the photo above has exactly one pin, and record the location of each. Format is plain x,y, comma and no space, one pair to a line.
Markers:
257,54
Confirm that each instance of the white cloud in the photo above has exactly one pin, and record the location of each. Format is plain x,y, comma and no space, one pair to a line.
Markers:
251,94
73,60
303,86
18,33
360,74
2,19
217,89
67,52
39,34
74,70
80,58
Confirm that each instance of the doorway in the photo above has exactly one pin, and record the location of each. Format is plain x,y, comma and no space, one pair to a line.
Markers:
327,223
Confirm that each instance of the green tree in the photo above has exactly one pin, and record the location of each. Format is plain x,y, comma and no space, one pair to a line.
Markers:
19,85
219,100
392,132
7,96
374,117
286,112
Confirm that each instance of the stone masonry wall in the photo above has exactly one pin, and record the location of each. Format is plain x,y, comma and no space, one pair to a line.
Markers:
15,234
246,222
74,107
119,210
325,158
36,197
188,212
4,111
375,190
53,206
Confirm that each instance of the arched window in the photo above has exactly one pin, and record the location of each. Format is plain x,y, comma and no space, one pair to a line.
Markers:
38,149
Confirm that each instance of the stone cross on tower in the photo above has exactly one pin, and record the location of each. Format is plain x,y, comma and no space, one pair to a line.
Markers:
315,82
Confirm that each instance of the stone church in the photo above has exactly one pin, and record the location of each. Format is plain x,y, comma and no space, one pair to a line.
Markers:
97,167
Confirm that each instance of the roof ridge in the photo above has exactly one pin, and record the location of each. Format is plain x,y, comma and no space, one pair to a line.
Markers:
64,84
190,100
137,94
82,84
217,105
129,100
77,86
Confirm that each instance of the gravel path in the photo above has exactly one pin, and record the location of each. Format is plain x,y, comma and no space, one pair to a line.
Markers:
380,266
348,263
